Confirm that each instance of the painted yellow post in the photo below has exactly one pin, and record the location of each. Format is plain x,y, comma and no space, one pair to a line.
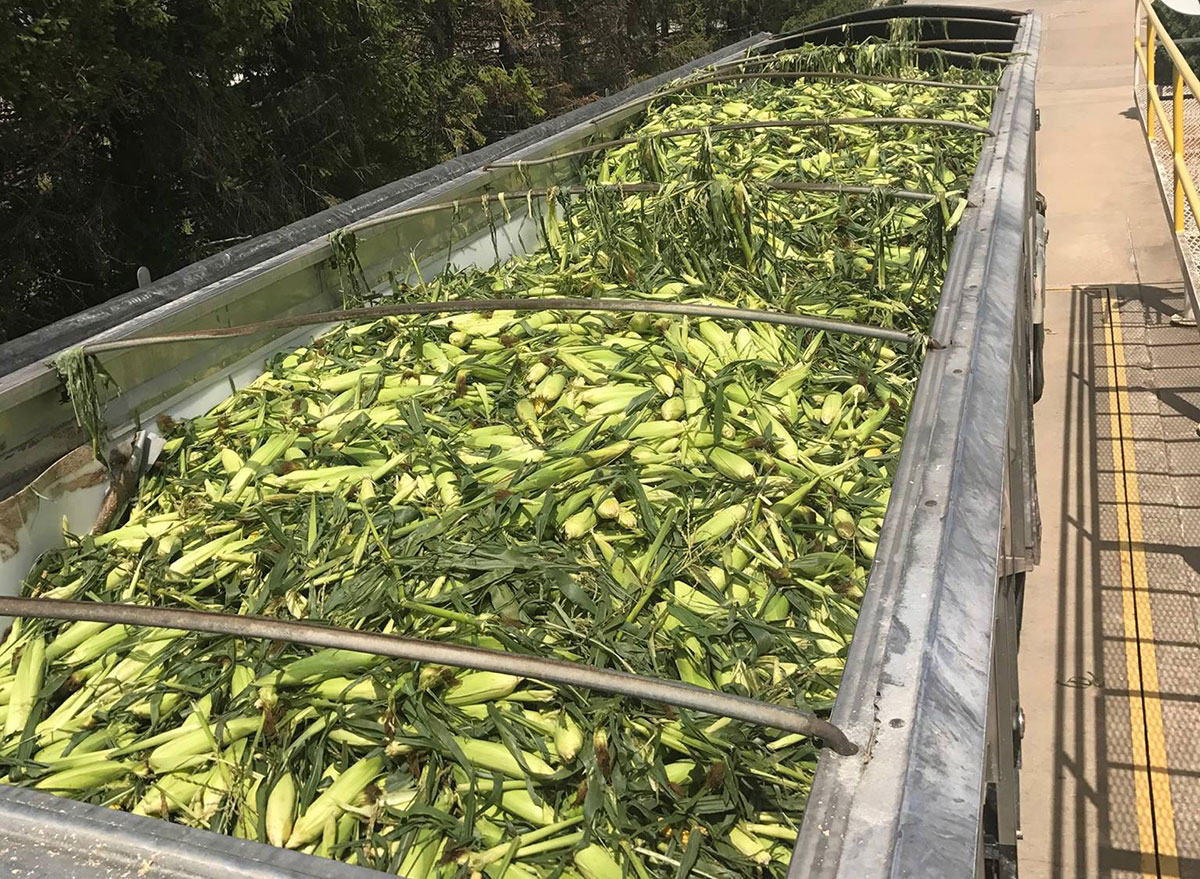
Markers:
1177,145
1149,78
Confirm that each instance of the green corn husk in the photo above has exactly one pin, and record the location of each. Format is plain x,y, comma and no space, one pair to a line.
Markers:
86,778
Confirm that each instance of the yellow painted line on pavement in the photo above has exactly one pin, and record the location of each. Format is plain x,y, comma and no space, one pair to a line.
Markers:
1155,810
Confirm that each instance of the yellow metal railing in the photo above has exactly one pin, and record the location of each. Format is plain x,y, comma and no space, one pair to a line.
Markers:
1147,21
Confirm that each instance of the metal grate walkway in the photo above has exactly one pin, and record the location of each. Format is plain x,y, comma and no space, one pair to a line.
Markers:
1112,757
1110,648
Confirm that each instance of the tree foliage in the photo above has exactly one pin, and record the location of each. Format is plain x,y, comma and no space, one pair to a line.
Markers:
158,132
1185,31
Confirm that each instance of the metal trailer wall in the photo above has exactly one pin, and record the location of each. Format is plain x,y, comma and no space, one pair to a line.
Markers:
930,684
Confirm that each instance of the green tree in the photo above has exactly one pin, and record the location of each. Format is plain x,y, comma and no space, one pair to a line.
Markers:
1185,31
157,132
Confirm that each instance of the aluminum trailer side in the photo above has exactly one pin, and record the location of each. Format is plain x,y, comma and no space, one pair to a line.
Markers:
930,684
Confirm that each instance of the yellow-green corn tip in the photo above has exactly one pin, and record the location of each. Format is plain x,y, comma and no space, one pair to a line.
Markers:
721,524
596,862
732,465
568,739
579,524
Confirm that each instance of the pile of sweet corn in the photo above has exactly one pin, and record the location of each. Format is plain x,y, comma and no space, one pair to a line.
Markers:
681,497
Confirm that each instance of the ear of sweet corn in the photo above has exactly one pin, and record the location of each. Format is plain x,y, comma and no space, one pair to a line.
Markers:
26,685
521,803
334,801
481,686
423,854
568,739
247,826
721,524
93,775
844,524
71,637
193,743
330,662
281,810
732,465
343,689
748,844
498,758
596,862
263,457
171,793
